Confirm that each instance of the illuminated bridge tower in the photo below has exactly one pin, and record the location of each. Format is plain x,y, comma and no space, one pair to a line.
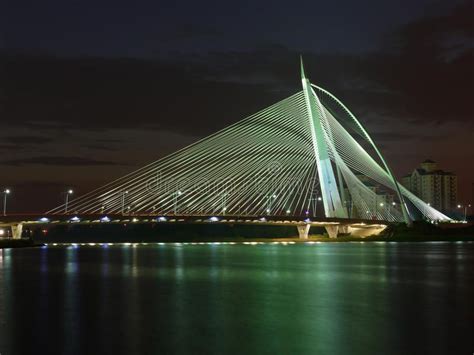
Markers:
331,198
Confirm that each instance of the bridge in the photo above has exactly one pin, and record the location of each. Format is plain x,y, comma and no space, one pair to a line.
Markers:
306,160
15,225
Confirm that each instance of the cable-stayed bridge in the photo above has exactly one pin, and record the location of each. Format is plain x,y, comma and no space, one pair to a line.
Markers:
305,157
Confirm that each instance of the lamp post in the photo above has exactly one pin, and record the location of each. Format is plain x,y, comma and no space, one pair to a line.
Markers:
270,199
315,201
68,192
175,205
319,199
224,202
465,210
123,201
6,192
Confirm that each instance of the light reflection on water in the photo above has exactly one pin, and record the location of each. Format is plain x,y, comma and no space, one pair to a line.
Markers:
351,298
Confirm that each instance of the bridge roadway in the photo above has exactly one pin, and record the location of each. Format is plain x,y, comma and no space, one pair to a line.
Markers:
12,225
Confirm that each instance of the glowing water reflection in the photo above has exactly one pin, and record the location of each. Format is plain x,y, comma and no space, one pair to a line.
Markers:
323,298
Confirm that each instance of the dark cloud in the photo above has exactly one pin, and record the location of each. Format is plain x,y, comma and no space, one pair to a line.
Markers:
403,136
102,147
27,140
6,147
190,31
57,161
200,93
431,64
100,94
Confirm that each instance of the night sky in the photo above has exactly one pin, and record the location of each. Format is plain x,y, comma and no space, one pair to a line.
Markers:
93,90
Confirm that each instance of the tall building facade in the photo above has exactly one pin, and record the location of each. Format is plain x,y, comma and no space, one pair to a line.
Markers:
437,187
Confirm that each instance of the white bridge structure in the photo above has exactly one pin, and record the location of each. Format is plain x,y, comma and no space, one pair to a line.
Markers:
307,156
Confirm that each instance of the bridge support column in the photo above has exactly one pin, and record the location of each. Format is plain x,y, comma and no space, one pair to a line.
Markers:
17,230
343,229
303,230
332,231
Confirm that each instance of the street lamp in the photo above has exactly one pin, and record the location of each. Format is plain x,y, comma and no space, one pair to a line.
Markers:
465,210
68,192
316,207
176,194
6,192
123,201
313,202
224,202
270,199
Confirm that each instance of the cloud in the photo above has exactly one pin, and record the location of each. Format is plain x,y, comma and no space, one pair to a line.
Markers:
7,147
404,136
194,95
101,147
197,95
56,161
190,31
27,140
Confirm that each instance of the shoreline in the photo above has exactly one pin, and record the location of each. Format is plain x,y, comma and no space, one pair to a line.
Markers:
19,243
29,243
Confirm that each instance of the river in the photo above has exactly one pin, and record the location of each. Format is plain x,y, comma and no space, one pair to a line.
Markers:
214,298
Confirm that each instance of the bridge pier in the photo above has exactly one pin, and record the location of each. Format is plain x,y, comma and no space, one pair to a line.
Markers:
303,230
17,230
332,231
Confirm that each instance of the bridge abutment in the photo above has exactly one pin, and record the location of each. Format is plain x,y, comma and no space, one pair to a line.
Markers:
15,229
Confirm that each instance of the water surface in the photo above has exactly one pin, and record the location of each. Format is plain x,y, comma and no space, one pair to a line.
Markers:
325,298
